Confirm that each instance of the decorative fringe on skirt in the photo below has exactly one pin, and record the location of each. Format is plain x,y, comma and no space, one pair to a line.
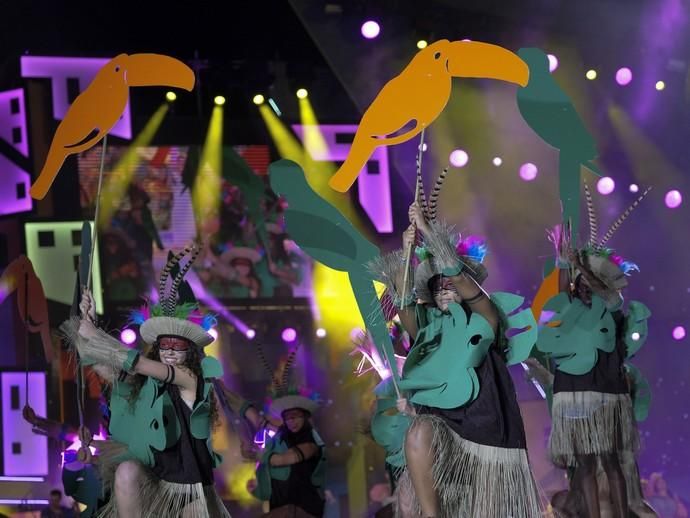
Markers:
159,498
472,480
591,423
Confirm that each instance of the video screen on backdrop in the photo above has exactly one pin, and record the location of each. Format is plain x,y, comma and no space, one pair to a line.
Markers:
149,211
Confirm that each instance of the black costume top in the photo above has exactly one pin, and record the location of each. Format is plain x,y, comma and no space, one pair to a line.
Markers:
608,374
493,419
298,489
188,461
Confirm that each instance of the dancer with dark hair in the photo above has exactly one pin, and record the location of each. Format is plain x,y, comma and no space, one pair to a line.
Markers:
291,472
162,407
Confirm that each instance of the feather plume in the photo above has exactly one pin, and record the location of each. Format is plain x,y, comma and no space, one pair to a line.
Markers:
622,218
591,214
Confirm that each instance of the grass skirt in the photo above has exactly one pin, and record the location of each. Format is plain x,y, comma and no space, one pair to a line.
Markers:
160,498
591,423
473,480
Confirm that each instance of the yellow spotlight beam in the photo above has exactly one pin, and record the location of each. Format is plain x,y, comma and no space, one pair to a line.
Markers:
119,179
287,144
206,197
319,172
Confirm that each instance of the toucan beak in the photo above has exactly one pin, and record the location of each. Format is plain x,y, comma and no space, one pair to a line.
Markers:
476,59
158,70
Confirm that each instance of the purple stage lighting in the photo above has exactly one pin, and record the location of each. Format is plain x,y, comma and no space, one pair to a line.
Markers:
128,336
289,335
606,185
459,158
634,187
678,333
250,333
673,199
370,29
623,76
528,171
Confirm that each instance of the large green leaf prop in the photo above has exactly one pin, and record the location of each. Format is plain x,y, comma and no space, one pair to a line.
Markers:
520,326
147,424
440,368
388,426
641,392
636,332
575,333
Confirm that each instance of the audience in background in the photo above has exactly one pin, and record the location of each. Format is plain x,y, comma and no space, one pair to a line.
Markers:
665,503
55,508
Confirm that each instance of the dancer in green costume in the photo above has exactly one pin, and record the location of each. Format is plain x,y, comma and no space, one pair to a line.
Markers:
465,449
162,406
291,471
589,338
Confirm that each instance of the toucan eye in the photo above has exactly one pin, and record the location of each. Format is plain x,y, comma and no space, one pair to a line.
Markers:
475,339
437,55
117,69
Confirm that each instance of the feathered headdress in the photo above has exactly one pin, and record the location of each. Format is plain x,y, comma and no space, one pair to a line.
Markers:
169,316
471,251
282,394
600,257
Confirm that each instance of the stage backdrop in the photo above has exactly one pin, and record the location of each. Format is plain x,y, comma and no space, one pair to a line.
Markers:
153,213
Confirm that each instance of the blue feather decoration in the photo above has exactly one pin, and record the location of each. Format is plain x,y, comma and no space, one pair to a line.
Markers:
627,267
209,321
137,317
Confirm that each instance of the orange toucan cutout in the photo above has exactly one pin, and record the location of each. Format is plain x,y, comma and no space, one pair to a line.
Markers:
20,276
549,288
100,106
420,93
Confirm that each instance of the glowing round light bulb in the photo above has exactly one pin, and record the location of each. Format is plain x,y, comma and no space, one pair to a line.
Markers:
660,85
219,100
171,96
321,332
673,199
459,158
591,74
528,171
250,334
370,29
606,185
128,336
624,76
289,334
497,161
258,99
421,44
